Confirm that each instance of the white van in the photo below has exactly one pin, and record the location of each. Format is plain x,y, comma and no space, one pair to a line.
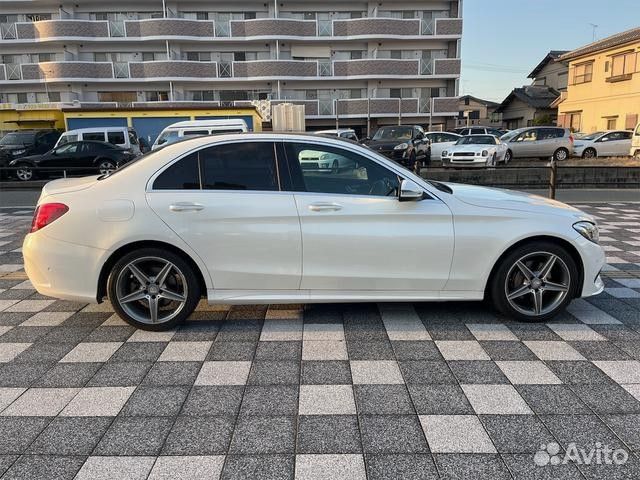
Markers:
123,137
635,143
198,128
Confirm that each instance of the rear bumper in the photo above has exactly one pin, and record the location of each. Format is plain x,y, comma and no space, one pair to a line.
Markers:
62,270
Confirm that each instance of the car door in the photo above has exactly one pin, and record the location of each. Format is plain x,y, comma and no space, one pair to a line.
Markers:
225,202
613,144
357,236
63,158
524,144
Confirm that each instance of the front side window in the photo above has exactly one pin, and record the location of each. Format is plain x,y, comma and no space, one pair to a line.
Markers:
325,169
68,148
239,166
97,136
528,136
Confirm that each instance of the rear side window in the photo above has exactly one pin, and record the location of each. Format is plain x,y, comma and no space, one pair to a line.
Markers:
97,136
239,166
116,138
182,175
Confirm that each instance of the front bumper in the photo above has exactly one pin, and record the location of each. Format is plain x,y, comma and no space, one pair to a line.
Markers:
62,270
593,261
465,162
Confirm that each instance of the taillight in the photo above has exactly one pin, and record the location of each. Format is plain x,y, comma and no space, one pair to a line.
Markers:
571,138
47,213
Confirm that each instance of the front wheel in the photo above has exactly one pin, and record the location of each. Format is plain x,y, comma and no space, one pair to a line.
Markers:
153,289
24,172
534,282
561,154
589,153
507,157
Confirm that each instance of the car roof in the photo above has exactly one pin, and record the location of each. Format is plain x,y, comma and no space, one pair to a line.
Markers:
339,130
96,129
208,123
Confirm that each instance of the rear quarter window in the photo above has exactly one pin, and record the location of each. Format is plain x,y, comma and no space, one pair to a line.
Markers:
116,138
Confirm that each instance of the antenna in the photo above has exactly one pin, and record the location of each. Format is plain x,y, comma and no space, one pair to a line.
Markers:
594,27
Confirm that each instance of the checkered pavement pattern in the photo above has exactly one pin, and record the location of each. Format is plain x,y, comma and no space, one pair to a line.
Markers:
359,391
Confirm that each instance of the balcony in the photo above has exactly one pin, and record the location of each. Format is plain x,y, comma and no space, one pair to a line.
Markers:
270,27
173,69
53,29
369,27
263,28
66,71
275,69
169,27
376,67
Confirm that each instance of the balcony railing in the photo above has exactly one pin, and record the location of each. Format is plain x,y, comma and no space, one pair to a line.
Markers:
376,107
267,28
249,70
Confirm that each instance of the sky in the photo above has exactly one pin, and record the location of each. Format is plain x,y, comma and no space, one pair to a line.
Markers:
503,40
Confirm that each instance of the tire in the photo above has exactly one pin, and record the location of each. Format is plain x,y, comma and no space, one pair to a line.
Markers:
24,172
180,281
590,153
335,167
561,154
507,157
106,166
412,160
510,280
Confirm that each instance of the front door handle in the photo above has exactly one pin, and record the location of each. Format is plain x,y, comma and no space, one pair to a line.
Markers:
325,207
186,207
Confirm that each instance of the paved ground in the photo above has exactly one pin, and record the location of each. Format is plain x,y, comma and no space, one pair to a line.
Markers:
323,392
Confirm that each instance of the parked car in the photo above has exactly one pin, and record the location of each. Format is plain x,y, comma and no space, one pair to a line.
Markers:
86,157
403,143
124,137
613,143
476,130
540,142
322,161
635,143
475,151
216,216
198,128
347,133
22,143
440,141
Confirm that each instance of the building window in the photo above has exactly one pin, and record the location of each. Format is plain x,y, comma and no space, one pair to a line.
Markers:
157,96
611,123
575,121
623,66
583,73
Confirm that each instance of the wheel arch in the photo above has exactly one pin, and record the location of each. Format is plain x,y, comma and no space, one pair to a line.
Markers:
590,148
575,255
130,247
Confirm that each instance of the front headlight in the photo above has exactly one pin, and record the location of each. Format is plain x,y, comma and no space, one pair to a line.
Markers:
485,153
445,154
588,230
402,146
325,157
18,152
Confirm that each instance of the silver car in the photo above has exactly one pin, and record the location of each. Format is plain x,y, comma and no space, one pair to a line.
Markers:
540,142
614,143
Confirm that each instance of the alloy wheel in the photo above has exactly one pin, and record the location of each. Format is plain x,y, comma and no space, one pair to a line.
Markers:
24,173
106,168
151,290
537,283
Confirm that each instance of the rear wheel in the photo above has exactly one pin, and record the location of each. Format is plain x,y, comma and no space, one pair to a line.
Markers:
153,289
589,153
561,154
534,282
106,167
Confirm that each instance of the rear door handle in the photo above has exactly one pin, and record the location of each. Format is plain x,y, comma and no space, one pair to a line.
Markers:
325,207
186,207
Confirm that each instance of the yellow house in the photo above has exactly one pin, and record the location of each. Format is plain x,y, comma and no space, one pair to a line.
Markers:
604,85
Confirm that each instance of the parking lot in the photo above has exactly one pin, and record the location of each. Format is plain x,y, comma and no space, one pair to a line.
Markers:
323,391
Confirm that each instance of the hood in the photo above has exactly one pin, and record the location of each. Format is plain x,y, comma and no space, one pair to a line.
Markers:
513,200
384,144
66,185
29,158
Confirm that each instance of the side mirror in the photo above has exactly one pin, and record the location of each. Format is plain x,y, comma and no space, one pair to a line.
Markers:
410,191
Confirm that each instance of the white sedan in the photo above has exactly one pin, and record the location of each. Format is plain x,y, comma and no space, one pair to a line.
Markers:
237,220
614,143
440,141
475,151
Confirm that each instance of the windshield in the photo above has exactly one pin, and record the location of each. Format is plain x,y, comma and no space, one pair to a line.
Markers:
394,133
477,140
18,138
169,136
591,136
509,135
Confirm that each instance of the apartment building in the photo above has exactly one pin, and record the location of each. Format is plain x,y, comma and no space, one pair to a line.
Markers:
604,84
359,61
